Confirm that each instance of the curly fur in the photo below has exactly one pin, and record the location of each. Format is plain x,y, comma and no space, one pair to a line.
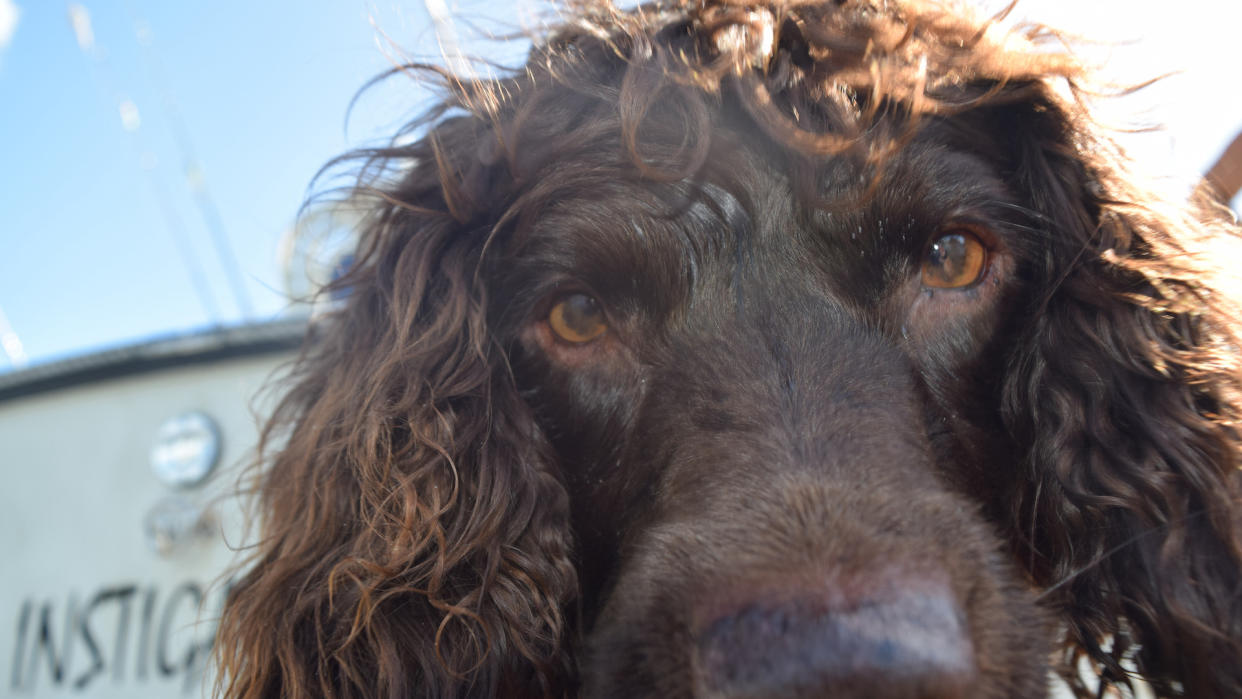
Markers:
437,523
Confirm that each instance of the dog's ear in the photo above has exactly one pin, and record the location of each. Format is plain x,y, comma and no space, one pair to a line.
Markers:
1123,394
414,538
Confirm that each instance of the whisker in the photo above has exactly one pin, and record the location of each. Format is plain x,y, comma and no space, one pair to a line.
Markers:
1114,550
1025,211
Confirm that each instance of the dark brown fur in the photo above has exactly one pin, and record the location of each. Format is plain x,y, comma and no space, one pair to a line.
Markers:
788,468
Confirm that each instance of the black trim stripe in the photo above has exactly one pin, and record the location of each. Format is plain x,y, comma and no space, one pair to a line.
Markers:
199,347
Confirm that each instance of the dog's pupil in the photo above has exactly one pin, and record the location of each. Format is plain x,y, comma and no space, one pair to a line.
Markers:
950,260
948,254
581,314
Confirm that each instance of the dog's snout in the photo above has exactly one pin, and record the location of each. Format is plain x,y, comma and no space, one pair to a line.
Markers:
908,642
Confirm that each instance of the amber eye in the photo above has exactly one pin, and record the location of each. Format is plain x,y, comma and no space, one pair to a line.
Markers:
577,319
954,261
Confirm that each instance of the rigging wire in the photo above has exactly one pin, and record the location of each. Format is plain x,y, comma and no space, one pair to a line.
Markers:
191,166
80,21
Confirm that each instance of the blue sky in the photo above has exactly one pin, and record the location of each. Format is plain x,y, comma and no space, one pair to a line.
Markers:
93,192
88,253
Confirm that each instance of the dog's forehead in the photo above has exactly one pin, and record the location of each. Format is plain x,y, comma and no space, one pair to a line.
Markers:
857,224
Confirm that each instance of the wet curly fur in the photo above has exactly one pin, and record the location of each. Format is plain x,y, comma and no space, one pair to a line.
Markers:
789,465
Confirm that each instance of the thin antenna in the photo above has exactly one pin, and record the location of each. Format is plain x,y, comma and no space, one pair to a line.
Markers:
195,178
172,220
11,344
131,121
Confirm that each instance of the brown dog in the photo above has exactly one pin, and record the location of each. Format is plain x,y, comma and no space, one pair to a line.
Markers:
733,349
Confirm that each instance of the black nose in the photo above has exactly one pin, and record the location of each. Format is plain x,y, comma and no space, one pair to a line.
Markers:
897,643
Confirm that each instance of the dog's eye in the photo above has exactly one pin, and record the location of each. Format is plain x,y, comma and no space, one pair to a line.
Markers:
954,261
577,319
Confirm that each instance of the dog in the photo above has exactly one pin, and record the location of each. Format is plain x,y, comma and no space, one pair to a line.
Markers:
744,349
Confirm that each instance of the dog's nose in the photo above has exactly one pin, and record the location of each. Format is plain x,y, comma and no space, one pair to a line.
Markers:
909,644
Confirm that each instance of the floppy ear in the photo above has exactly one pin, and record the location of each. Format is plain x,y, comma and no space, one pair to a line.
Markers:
1124,394
414,538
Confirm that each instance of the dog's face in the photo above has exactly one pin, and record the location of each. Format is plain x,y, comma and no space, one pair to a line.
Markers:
779,425
757,351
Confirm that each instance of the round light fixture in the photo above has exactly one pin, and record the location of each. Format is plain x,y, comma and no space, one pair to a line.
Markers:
186,450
